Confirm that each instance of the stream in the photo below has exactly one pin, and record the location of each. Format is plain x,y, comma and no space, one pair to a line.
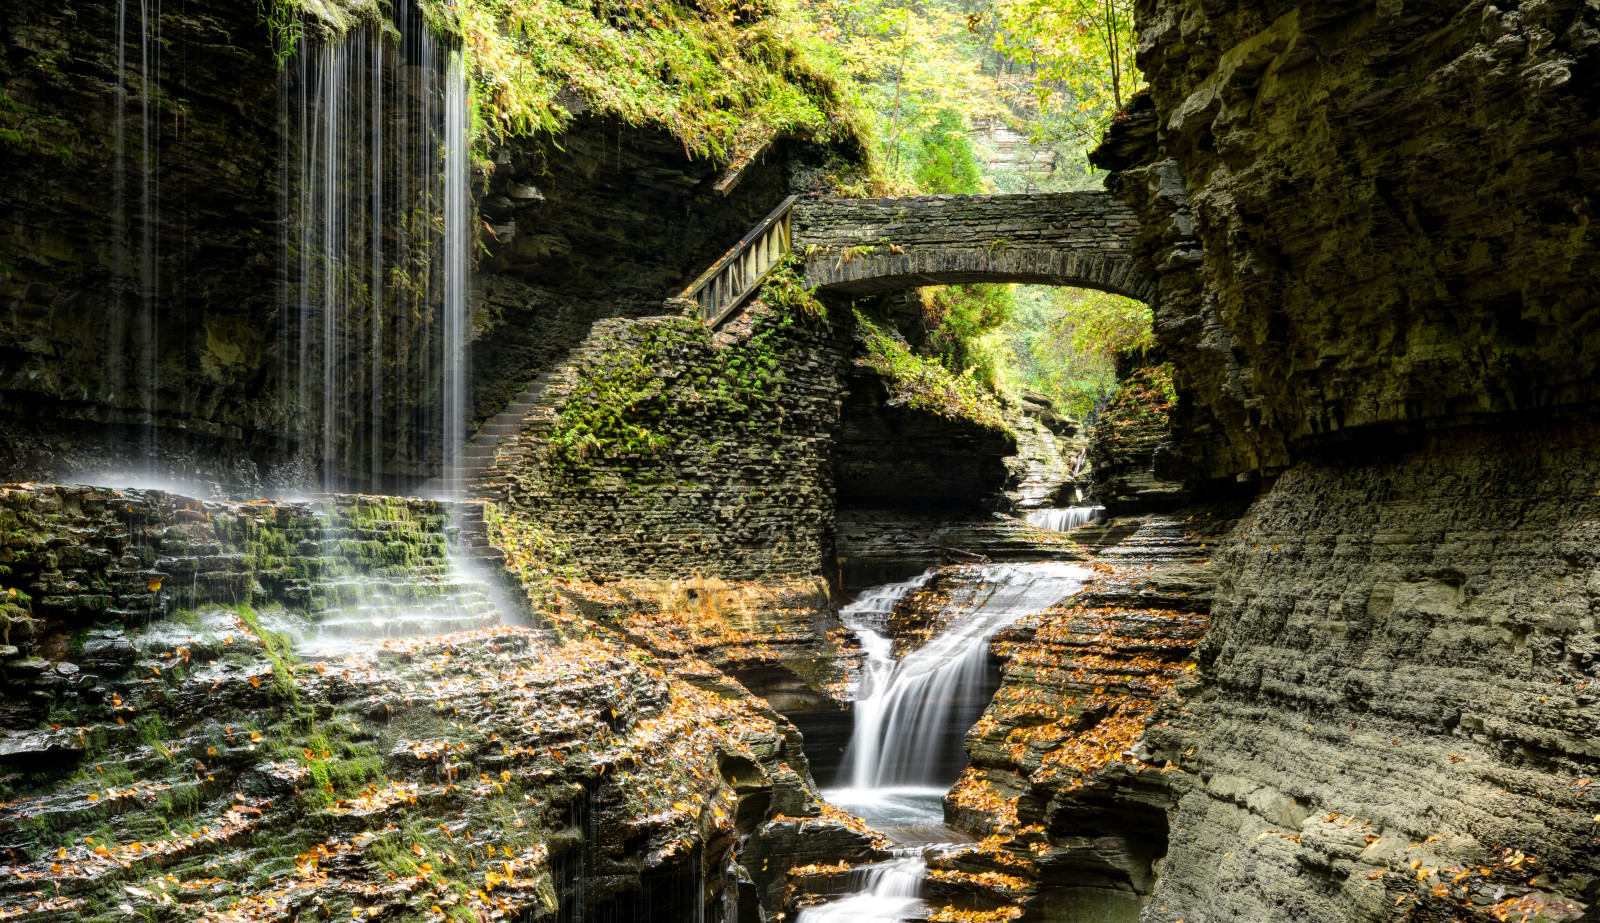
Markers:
911,716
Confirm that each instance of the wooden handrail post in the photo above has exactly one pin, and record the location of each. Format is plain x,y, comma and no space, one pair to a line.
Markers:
731,280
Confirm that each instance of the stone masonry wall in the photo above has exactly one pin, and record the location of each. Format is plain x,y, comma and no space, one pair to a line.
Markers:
662,450
859,246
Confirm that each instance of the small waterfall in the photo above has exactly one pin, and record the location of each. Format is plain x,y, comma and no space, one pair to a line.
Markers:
390,568
885,891
910,718
1065,520
374,312
911,714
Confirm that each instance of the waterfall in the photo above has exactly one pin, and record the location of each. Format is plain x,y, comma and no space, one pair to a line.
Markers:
456,207
911,716
374,311
887,891
132,356
1065,520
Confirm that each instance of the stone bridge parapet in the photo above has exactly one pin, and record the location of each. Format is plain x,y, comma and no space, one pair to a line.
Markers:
863,246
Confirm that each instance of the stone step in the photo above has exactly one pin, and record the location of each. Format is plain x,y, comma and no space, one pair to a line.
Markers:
501,429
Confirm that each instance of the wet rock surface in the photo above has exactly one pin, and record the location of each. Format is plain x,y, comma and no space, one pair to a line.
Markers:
892,455
214,754
878,546
1069,815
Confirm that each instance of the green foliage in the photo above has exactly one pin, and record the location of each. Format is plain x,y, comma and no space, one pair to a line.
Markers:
1146,398
946,161
722,76
25,130
1082,56
279,648
924,383
285,30
958,317
785,290
912,65
1064,343
719,75
625,403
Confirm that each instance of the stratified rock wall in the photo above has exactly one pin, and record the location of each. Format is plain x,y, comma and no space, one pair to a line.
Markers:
1402,651
1365,215
1370,225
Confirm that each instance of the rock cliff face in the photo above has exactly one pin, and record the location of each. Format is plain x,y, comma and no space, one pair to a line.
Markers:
1394,203
157,231
1371,228
1401,666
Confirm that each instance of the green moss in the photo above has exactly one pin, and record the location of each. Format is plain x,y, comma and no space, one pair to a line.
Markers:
925,384
722,76
625,405
279,649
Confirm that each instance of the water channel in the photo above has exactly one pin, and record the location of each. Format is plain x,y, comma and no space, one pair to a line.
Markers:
911,714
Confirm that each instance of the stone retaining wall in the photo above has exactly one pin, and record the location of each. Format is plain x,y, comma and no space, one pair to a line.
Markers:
741,485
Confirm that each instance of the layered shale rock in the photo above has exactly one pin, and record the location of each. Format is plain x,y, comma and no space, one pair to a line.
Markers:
1370,222
1401,669
1364,215
1071,817
187,733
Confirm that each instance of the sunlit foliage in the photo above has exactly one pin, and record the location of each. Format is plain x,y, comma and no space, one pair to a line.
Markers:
1082,56
923,383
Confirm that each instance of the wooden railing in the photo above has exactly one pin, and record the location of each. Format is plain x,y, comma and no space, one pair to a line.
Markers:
721,289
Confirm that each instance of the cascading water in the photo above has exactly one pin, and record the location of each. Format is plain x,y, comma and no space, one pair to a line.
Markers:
1065,520
456,207
911,715
374,311
132,343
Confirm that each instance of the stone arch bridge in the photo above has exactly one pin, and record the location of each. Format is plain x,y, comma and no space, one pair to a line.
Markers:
863,246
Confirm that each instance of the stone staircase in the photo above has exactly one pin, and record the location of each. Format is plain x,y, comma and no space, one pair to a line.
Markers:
384,570
478,455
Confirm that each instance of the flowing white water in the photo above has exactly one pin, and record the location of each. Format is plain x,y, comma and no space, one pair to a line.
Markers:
456,206
1065,520
910,717
374,314
911,714
132,358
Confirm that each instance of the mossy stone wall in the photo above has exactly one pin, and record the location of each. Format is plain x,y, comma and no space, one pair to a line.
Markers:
663,449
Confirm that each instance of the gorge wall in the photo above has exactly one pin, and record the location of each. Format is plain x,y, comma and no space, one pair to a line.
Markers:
1371,230
1369,262
184,278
